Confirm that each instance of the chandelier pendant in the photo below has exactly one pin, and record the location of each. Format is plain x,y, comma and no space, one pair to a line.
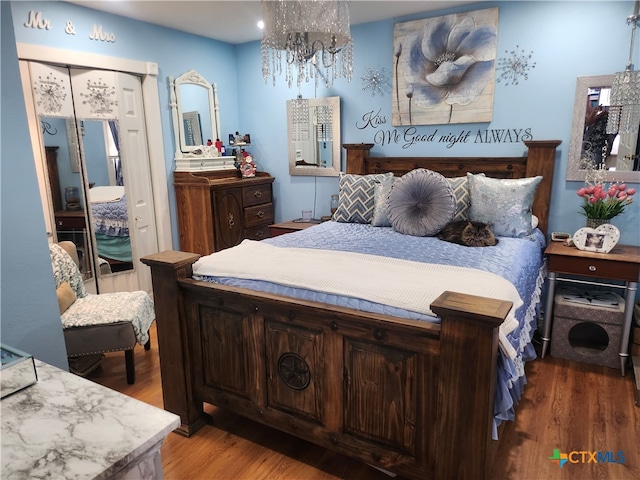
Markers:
311,37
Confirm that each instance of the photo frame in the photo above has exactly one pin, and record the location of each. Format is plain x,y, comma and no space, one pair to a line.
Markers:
429,88
599,240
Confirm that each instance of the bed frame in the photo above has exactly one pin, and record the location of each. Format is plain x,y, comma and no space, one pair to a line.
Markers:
398,394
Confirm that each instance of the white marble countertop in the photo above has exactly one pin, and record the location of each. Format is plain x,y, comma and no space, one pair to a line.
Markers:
66,427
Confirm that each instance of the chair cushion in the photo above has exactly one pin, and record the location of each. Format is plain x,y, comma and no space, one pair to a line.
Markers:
105,308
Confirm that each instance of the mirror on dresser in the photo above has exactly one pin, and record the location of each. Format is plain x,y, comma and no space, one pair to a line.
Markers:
196,124
313,129
591,147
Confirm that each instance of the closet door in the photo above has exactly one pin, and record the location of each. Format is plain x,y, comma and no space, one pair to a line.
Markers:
96,119
114,100
134,146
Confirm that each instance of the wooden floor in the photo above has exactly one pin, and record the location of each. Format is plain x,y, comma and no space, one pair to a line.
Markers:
567,405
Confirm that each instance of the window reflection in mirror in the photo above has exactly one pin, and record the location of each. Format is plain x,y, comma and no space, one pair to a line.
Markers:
591,147
314,136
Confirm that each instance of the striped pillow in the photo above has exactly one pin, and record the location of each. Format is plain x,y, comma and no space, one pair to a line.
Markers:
356,199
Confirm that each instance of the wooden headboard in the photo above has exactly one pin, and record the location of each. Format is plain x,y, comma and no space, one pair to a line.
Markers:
540,160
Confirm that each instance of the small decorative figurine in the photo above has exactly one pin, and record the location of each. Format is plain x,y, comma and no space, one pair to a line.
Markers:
248,167
219,146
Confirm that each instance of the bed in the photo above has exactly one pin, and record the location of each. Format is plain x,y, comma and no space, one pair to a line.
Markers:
382,383
110,221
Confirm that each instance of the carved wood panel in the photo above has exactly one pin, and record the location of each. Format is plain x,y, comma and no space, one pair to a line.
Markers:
379,379
229,217
294,370
223,356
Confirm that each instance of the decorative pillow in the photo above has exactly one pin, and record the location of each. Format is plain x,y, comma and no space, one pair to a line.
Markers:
504,203
381,191
421,203
460,187
66,296
355,200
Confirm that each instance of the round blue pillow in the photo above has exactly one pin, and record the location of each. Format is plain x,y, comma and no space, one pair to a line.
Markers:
421,203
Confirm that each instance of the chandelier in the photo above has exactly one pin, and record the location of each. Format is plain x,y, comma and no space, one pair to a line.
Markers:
311,37
624,112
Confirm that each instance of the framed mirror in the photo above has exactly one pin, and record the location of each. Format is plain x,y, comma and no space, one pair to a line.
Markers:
313,128
196,118
590,146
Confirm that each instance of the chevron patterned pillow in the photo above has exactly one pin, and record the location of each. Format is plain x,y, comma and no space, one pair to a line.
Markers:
355,200
461,191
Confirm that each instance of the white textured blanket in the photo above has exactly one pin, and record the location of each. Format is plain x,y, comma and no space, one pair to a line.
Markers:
399,283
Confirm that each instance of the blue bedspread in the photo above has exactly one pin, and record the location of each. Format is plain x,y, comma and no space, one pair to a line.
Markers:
111,218
519,260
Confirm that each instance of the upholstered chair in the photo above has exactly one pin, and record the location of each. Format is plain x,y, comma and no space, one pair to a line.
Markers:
95,324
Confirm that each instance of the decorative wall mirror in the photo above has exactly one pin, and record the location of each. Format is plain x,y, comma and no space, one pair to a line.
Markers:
196,123
590,145
313,127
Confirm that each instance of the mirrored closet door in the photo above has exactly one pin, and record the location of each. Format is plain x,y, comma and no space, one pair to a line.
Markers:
95,171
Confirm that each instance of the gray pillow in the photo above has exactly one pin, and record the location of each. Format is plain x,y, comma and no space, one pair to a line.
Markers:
504,203
421,203
460,187
355,200
381,191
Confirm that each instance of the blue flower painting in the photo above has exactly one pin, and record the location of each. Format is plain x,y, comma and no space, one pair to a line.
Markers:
444,69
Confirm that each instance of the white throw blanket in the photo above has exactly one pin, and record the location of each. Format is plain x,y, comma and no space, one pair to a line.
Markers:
398,283
106,194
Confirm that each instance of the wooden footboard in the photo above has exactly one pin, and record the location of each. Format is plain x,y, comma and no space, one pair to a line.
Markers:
411,397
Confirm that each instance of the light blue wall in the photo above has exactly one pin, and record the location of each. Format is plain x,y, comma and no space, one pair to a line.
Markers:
567,39
29,307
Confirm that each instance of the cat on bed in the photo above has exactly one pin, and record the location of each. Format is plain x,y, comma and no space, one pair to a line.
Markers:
468,233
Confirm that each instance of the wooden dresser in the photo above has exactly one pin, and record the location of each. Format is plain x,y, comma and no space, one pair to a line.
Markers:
217,210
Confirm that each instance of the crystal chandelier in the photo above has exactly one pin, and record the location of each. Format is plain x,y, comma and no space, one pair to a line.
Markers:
312,37
624,112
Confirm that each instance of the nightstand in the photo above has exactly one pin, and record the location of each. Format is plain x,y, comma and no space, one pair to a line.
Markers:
289,227
622,264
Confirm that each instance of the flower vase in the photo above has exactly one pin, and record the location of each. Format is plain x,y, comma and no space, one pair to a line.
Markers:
596,222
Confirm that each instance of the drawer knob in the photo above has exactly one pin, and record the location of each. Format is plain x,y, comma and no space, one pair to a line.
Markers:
260,214
592,268
257,194
231,220
259,234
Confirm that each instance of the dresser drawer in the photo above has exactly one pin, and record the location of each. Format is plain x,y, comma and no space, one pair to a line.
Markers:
256,195
68,222
594,267
258,215
257,233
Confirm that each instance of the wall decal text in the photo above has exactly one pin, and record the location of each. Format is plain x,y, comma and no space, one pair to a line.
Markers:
36,21
98,34
410,136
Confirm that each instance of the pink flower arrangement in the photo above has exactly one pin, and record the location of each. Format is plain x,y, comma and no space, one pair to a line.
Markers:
605,203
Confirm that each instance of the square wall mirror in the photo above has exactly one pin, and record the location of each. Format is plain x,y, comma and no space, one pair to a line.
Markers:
313,128
591,147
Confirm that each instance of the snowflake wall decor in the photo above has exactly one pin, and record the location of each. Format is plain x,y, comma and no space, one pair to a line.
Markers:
50,92
516,66
99,97
375,80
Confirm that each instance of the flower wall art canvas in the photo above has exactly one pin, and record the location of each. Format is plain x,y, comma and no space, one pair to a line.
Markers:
444,69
